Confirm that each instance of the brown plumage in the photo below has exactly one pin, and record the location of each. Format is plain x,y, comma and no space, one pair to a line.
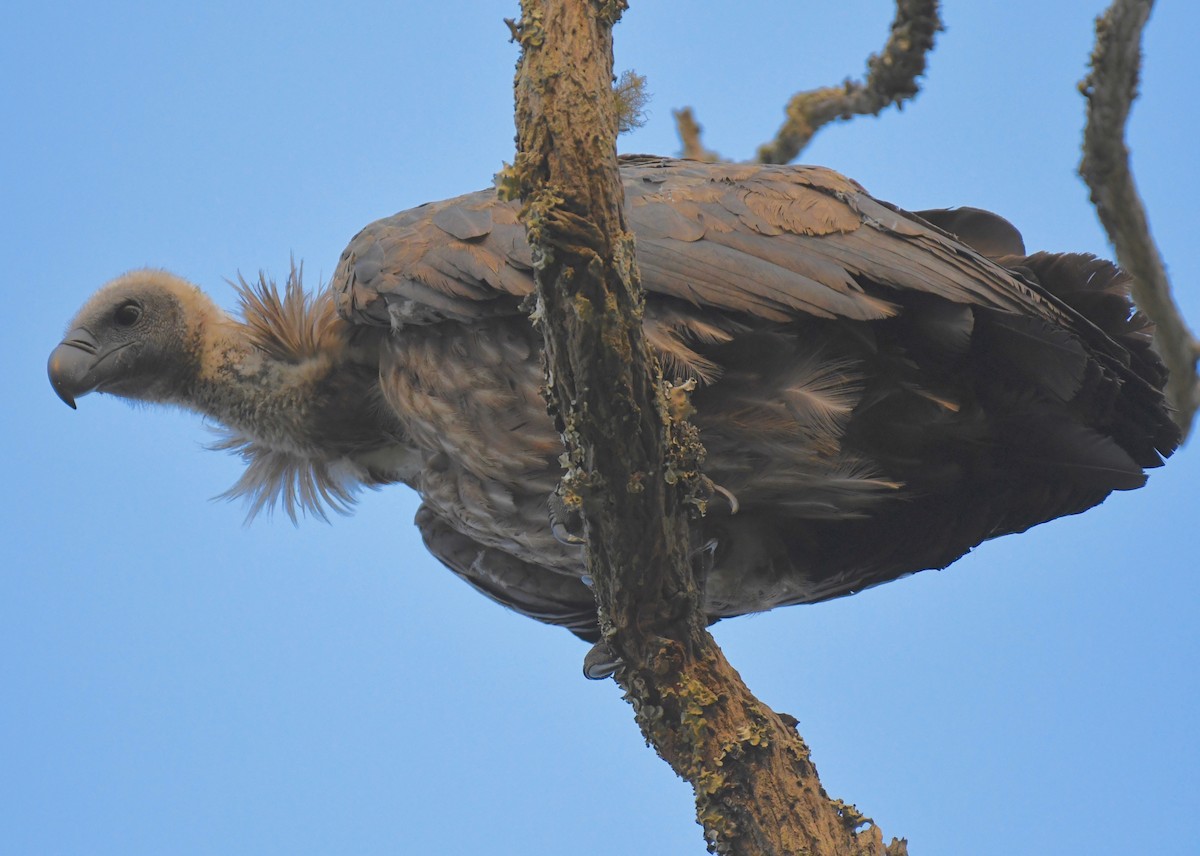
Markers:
878,391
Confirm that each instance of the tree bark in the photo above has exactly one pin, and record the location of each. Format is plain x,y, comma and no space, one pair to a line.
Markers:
633,460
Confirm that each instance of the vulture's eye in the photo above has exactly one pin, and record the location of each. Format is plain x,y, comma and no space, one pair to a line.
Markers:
127,314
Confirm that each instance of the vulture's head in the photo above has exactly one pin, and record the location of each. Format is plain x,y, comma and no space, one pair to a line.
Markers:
283,384
138,337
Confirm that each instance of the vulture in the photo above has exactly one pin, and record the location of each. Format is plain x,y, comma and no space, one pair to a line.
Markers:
878,391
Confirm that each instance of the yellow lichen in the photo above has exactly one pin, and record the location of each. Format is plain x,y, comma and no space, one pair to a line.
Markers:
679,401
851,816
583,308
507,182
756,734
531,31
610,12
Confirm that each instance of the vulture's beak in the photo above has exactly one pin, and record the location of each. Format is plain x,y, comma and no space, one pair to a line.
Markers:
73,366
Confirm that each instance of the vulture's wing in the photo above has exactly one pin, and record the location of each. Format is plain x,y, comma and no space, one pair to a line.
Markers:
769,242
553,598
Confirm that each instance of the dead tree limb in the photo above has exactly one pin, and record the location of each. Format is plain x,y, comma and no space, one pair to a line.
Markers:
891,79
633,460
689,134
1110,89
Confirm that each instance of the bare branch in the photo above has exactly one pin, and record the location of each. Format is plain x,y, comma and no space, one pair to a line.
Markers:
1110,89
689,134
891,79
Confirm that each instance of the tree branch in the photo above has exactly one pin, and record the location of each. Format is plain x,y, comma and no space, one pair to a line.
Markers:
633,460
604,384
1110,89
689,134
891,79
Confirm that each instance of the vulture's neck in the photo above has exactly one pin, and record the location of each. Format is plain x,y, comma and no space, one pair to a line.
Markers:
299,401
272,401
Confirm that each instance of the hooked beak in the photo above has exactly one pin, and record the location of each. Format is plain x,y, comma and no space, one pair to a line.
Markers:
73,366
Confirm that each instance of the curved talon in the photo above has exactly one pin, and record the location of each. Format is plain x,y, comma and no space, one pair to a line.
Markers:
703,558
565,523
601,662
733,500
563,535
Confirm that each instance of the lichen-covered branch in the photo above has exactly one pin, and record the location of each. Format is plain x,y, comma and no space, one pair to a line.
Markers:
1110,89
634,460
891,79
604,386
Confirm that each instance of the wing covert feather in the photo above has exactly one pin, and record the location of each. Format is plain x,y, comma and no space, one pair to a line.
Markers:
768,242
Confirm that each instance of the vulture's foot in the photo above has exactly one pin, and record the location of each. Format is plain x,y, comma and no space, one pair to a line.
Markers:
703,558
728,496
601,662
566,524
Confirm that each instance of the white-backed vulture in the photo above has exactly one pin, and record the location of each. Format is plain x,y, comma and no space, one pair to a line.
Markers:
878,391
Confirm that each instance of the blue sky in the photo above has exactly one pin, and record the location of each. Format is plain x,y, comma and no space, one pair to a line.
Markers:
176,682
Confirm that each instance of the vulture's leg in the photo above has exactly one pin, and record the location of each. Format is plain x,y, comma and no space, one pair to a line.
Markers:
602,661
